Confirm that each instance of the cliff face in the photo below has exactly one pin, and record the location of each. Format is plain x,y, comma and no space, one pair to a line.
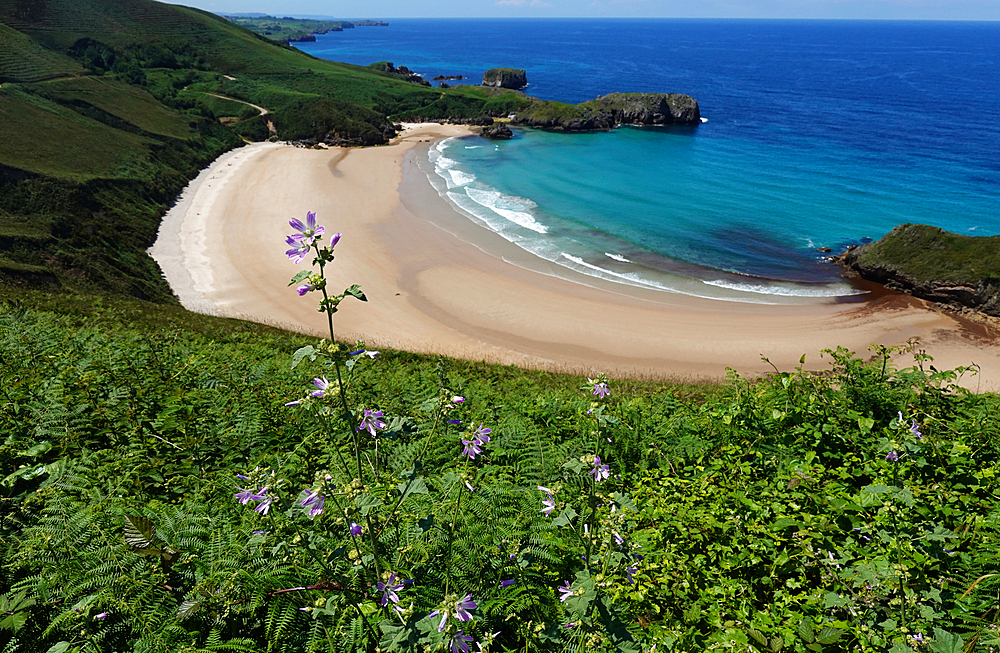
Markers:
513,78
933,264
606,112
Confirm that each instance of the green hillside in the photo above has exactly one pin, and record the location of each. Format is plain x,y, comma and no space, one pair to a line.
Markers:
110,107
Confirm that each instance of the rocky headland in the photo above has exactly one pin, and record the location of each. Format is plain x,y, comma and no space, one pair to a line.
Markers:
609,111
961,272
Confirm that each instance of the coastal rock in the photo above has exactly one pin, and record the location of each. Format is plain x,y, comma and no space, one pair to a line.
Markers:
498,131
640,109
513,78
932,264
442,78
400,71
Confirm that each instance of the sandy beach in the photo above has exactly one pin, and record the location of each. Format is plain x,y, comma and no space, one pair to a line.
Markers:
436,282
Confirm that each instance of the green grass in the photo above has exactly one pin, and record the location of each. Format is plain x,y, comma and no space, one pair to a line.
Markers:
135,108
24,60
71,146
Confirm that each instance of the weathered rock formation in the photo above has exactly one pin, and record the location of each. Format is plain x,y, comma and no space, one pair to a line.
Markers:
514,78
933,264
401,71
498,131
645,109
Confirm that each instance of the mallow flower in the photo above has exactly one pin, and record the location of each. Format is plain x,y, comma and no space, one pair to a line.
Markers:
599,472
372,422
309,231
321,387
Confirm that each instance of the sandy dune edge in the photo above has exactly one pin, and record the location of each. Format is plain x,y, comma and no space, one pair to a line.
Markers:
438,283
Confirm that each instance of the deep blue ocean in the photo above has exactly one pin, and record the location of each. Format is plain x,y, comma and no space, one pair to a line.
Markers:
818,134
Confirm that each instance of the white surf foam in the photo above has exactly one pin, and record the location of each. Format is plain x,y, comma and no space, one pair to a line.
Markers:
786,290
617,257
515,209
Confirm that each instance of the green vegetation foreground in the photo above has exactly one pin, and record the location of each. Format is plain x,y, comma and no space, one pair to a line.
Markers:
181,488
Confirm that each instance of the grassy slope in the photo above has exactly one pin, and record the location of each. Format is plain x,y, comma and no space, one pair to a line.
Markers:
927,254
24,60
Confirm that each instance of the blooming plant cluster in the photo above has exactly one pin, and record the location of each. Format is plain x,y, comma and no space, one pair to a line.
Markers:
357,496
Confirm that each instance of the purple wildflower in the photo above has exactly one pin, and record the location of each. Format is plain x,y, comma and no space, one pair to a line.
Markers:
321,386
355,529
299,249
469,485
601,390
102,616
463,606
371,422
915,431
314,502
371,354
265,502
460,642
482,434
389,590
548,503
309,231
566,591
619,540
458,400
246,495
892,456
303,289
506,583
471,449
599,472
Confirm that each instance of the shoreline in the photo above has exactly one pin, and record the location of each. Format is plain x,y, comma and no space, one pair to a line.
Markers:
438,283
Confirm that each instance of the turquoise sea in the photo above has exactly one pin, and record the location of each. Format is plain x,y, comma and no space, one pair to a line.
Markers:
818,134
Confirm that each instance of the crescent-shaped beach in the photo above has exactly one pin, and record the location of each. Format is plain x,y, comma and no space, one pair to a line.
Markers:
438,283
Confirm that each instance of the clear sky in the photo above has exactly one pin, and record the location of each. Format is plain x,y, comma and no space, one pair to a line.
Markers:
386,9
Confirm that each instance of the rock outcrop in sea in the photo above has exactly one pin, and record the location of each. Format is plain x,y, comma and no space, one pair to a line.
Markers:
609,111
498,131
513,78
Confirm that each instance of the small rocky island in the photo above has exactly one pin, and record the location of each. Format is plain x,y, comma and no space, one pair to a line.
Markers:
512,78
609,111
927,262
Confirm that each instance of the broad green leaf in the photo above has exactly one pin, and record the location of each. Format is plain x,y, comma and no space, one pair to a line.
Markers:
829,635
366,503
301,353
416,486
866,424
565,518
140,533
945,642
355,291
806,631
59,647
38,449
299,277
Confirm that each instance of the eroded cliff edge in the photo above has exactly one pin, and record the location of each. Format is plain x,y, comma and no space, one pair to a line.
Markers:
934,264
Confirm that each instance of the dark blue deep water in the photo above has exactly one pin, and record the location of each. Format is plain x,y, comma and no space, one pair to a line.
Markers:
818,134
